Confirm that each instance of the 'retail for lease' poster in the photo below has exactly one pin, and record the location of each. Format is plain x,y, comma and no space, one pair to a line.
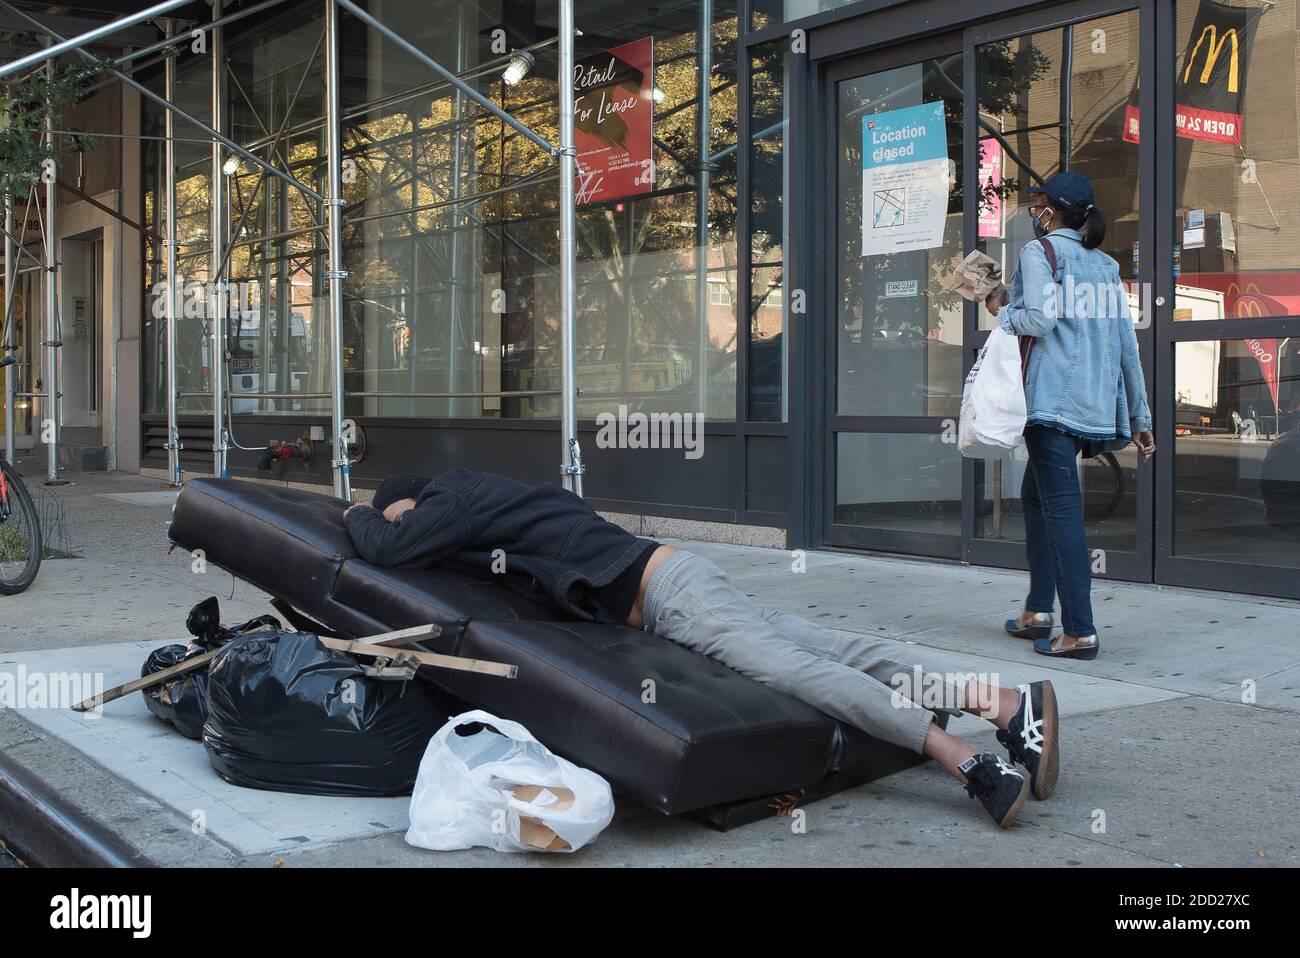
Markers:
613,122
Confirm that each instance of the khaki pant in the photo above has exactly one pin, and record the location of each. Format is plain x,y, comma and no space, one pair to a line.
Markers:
864,681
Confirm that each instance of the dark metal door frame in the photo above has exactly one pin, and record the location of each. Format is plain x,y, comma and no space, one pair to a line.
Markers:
832,423
964,39
1171,568
1133,566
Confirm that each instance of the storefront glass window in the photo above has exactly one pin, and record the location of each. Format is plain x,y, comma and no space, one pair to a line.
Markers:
450,233
1059,98
768,227
899,331
1237,451
193,234
898,481
1237,149
463,297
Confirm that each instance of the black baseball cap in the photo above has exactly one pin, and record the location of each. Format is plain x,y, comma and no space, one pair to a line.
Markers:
1068,191
403,485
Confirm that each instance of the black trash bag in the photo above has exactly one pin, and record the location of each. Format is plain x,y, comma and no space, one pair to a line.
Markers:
289,715
183,701
204,623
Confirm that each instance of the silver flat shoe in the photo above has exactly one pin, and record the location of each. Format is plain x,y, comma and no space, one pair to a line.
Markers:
1033,625
1085,647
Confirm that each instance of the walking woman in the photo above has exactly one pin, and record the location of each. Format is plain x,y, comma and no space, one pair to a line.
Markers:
1084,391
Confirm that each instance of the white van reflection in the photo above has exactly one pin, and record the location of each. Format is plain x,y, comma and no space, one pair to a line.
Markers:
246,357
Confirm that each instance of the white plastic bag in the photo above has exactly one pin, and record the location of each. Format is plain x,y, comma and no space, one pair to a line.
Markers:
993,400
504,790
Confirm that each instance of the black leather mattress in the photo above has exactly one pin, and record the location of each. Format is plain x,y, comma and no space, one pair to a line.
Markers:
666,726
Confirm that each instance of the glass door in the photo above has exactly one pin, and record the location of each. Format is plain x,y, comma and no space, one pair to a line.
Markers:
893,478
1057,91
1229,256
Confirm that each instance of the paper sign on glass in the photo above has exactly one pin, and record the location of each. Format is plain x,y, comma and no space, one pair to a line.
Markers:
904,179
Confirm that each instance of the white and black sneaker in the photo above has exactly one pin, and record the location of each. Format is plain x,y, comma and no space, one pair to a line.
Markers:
1031,737
998,785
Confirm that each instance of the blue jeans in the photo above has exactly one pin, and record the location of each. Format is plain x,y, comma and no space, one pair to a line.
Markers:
1059,563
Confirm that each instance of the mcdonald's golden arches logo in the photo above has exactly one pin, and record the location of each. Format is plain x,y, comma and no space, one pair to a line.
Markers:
1213,50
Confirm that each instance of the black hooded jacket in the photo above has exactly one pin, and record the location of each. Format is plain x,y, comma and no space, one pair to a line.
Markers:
553,545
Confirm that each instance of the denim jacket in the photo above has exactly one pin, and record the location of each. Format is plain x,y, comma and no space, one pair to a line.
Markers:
1084,375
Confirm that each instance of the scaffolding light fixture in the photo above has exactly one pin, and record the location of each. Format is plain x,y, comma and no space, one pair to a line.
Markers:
231,166
521,63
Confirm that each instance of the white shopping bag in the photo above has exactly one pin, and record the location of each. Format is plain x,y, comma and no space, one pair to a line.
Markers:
993,400
504,790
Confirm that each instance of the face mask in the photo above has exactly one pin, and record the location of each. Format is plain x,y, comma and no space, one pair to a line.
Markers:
1039,228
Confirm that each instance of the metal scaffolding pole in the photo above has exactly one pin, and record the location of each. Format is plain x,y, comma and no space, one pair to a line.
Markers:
454,253
334,240
11,274
171,39
89,37
161,101
450,77
704,45
50,427
169,172
571,455
217,217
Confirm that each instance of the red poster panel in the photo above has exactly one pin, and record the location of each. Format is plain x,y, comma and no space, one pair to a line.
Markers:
1212,125
1132,124
614,122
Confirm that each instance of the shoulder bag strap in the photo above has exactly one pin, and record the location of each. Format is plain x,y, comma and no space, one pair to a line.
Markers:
1027,342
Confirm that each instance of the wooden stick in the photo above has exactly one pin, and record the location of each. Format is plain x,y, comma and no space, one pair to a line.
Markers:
401,636
375,646
146,681
425,658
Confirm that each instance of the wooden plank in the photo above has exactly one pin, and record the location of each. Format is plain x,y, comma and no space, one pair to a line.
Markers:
426,658
375,646
145,681
401,637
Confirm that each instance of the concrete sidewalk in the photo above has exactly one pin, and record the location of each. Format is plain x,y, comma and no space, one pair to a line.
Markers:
1163,763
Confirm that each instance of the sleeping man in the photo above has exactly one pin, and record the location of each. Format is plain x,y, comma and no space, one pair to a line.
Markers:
549,544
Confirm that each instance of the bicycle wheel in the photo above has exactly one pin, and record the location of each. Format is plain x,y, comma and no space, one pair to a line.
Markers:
1113,485
20,534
